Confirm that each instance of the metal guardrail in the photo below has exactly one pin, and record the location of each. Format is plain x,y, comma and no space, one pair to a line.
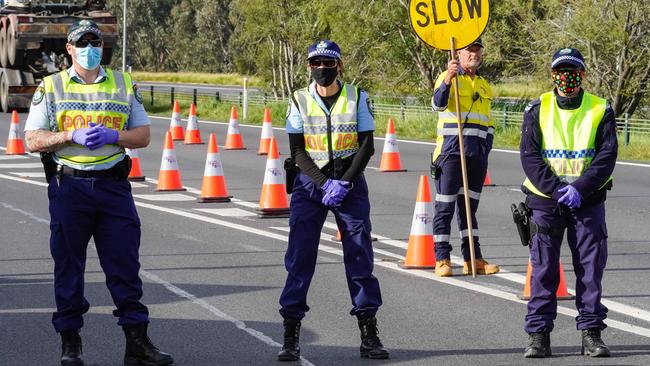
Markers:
502,117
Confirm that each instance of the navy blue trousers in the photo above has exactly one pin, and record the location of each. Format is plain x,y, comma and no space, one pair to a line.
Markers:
102,208
586,234
307,217
450,196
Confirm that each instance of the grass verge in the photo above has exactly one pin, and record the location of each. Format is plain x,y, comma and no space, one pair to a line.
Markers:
197,78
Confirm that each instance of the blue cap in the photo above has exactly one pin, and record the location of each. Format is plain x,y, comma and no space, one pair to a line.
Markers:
568,57
324,48
81,27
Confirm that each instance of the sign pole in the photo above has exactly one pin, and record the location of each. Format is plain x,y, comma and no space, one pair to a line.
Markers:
463,165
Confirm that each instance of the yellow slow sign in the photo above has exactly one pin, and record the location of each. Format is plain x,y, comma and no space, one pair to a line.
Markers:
436,21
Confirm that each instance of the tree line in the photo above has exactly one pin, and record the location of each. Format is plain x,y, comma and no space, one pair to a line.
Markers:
269,38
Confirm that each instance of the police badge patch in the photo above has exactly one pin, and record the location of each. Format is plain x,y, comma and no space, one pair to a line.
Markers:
136,93
38,95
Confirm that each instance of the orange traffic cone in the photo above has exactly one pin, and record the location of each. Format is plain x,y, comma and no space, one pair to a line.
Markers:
267,133
420,252
192,133
170,177
135,175
273,201
233,138
175,126
15,144
562,292
213,188
390,158
488,181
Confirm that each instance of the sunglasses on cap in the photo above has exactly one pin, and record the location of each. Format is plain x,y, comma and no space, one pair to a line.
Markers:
83,43
324,62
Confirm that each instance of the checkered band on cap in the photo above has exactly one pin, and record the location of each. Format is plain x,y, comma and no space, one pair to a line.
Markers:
568,59
77,33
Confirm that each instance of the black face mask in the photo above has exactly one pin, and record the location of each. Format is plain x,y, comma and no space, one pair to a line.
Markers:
324,76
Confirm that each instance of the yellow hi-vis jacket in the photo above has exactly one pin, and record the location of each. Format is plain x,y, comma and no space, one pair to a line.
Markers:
342,140
475,103
568,137
72,106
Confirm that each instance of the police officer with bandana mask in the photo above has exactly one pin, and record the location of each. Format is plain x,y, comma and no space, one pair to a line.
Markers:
85,116
330,129
568,152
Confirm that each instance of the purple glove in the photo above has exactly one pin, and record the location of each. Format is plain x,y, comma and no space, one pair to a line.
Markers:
99,136
334,191
80,136
571,197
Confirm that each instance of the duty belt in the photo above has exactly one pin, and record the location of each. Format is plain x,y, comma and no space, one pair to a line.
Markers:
66,170
545,230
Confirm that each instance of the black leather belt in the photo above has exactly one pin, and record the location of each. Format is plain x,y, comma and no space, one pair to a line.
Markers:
66,170
553,232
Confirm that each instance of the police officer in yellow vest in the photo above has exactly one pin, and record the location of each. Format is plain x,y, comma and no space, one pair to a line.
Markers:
330,127
478,133
568,152
86,116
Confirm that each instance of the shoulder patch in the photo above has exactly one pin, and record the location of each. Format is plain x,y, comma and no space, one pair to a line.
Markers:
136,93
39,94
371,107
532,105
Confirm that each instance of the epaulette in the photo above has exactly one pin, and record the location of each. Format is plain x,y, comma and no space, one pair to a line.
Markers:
532,105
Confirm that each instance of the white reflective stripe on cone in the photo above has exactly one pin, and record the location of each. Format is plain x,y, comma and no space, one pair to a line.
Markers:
233,127
169,161
213,166
390,144
273,173
13,133
192,123
267,130
176,119
422,223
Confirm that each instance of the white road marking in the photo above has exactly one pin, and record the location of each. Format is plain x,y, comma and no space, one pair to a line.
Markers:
21,166
227,212
172,197
29,174
13,157
138,185
612,305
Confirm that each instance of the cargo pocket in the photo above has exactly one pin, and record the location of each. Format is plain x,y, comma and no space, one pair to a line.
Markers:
540,245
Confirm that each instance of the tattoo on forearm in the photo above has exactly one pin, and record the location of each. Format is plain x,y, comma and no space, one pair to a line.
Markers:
45,141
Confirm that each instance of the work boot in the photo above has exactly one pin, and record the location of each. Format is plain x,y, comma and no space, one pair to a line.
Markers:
443,268
291,348
593,345
539,345
140,350
371,346
482,267
71,348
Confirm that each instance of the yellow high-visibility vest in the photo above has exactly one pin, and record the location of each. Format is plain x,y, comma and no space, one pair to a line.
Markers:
72,106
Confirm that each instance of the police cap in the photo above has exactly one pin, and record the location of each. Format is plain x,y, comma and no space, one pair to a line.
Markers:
81,27
568,57
324,48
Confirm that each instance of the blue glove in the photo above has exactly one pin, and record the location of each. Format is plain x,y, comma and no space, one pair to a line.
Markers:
334,191
80,136
99,136
571,197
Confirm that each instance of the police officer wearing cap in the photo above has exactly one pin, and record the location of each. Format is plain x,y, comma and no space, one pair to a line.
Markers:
85,116
568,152
330,129
475,96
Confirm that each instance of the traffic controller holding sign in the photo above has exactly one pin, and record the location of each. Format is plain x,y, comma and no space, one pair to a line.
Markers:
436,21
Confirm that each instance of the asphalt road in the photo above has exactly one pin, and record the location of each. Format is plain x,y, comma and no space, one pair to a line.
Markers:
189,88
213,272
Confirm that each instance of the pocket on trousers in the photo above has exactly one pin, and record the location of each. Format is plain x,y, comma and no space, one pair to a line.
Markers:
539,249
603,253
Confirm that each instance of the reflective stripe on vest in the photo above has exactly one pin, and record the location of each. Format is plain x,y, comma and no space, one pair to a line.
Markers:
474,112
71,106
343,117
568,137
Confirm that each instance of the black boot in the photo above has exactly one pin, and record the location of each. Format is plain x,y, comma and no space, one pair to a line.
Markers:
371,346
593,345
291,348
539,345
140,350
71,348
